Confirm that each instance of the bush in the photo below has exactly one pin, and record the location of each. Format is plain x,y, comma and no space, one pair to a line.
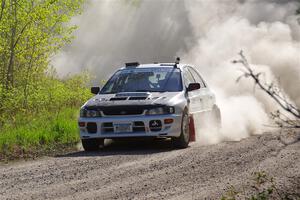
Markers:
45,133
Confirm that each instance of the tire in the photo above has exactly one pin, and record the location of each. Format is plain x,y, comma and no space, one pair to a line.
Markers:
183,140
92,144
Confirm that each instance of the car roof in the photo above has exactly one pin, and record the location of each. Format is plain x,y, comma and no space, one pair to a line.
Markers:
156,65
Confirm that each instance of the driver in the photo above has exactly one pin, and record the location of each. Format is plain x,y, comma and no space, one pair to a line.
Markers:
138,81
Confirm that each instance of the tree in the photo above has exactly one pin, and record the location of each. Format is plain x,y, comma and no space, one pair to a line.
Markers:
31,31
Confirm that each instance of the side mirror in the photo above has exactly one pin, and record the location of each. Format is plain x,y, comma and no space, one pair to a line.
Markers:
193,86
95,90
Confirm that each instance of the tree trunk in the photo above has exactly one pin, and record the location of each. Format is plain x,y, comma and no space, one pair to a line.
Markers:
10,67
2,9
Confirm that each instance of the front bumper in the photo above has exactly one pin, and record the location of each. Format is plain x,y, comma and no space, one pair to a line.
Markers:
101,126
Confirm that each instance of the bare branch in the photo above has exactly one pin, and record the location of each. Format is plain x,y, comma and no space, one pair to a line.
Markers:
275,93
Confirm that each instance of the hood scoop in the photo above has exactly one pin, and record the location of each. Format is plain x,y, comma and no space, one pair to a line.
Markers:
118,99
137,98
122,96
133,94
127,98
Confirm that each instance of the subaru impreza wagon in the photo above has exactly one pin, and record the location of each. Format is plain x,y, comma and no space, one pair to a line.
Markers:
147,100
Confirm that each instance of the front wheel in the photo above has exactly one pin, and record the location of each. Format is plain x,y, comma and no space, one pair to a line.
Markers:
183,140
92,144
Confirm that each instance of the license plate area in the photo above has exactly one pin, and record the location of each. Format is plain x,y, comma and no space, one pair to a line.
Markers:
122,127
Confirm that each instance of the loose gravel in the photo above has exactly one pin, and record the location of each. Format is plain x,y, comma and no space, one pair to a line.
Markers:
154,170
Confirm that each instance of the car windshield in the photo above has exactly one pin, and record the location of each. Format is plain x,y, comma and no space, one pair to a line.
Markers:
144,80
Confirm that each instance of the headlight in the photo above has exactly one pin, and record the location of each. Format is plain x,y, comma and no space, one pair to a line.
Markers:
161,110
89,113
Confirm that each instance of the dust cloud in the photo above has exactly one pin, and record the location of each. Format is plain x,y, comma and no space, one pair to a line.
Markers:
206,33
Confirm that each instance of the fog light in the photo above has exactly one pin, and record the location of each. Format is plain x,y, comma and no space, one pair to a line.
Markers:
81,124
168,121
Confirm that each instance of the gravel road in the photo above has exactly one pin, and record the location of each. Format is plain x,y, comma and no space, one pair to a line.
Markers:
153,170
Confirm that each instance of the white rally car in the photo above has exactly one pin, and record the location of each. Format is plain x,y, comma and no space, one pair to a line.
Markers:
148,100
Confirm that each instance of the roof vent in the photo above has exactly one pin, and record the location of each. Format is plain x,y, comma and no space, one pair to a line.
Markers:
132,64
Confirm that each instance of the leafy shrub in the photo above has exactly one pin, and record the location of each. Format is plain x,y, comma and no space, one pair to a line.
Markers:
43,133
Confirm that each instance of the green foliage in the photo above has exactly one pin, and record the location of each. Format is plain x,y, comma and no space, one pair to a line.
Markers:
37,107
231,194
31,31
262,187
41,134
263,193
50,95
48,122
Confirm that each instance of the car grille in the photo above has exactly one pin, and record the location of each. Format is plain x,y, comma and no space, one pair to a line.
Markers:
138,126
107,127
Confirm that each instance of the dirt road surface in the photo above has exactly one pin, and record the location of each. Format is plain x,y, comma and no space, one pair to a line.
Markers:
153,170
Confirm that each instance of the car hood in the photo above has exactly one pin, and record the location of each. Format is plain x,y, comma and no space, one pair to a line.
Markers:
135,98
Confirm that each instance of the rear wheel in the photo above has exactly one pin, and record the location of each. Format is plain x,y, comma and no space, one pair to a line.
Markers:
183,140
92,144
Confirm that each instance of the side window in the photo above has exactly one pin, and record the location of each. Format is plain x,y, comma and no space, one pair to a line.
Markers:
188,78
197,77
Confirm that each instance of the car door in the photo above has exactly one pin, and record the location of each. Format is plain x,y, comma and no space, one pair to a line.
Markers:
207,96
193,96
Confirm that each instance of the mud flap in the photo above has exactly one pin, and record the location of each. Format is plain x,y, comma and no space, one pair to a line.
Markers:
192,129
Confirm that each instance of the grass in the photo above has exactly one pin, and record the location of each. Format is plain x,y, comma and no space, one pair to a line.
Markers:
43,134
